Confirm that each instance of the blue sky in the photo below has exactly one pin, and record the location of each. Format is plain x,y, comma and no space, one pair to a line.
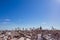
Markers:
29,13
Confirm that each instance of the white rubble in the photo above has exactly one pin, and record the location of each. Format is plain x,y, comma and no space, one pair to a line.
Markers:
22,38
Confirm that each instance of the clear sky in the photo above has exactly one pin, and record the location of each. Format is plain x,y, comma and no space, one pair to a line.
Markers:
29,13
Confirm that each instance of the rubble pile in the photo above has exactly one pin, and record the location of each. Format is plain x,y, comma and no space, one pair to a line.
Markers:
37,34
